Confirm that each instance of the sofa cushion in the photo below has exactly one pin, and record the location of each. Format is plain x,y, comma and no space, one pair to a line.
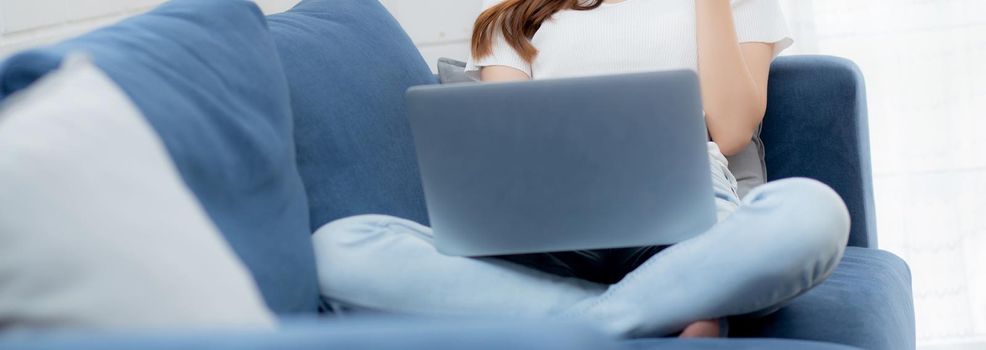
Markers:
348,64
97,229
452,71
867,302
207,77
374,333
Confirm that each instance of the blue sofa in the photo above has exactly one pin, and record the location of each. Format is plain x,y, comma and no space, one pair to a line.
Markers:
346,64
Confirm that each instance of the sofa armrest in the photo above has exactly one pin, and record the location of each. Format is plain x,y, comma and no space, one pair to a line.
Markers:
816,127
401,334
866,303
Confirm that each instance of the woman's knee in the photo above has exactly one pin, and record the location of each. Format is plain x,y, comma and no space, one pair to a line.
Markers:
812,218
349,250
362,233
358,240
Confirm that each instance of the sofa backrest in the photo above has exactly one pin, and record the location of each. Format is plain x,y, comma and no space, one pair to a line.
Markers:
816,126
348,64
207,77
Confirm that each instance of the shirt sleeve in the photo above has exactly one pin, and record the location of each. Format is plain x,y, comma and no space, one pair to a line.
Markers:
502,54
762,21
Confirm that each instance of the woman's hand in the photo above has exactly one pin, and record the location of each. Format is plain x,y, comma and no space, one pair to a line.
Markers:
733,76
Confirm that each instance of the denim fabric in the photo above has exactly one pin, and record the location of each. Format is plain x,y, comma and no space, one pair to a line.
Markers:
206,76
867,303
816,127
348,63
763,255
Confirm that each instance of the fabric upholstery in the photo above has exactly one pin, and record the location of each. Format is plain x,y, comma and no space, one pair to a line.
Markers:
867,303
384,334
207,77
97,229
816,127
452,71
348,63
748,166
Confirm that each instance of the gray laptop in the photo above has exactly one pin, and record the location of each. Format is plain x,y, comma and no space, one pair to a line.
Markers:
566,164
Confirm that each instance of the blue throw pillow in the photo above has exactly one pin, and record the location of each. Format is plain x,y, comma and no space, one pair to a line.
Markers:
348,64
207,77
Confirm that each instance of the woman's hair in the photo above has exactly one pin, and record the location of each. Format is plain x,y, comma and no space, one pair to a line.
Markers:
518,21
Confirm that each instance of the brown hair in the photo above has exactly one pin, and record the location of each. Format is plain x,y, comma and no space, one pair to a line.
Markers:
519,20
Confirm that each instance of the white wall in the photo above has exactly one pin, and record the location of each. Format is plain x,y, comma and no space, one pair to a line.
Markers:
439,27
27,23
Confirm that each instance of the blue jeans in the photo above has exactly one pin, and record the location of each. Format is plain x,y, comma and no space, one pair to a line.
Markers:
781,240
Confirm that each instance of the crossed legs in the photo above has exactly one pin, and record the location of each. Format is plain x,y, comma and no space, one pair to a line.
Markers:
785,238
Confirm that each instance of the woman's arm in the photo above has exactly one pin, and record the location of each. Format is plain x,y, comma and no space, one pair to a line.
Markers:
501,73
733,77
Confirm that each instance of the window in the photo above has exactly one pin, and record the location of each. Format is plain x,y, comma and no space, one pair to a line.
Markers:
925,64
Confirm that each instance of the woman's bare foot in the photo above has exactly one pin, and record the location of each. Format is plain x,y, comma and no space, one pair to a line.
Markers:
702,329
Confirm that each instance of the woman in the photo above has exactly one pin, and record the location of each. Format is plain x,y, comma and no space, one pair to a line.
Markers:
781,240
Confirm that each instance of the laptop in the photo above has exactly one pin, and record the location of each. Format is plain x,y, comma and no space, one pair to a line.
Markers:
563,164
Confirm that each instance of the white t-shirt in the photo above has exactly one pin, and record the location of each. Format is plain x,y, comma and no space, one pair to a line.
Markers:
638,36
630,37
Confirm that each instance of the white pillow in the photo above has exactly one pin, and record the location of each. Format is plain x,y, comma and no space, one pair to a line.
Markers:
97,229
